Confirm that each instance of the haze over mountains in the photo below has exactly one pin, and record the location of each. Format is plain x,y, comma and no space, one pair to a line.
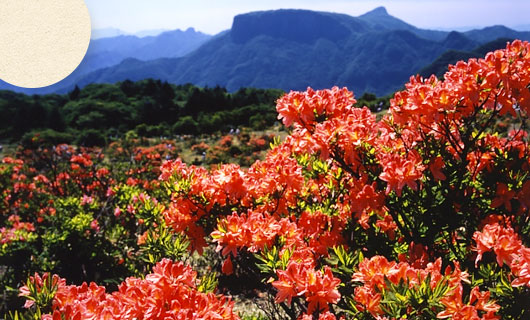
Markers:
108,51
114,32
286,49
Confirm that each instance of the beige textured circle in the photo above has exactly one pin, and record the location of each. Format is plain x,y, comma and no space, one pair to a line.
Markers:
42,41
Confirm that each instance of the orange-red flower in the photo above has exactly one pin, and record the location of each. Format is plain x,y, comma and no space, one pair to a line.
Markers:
301,279
503,196
167,293
399,171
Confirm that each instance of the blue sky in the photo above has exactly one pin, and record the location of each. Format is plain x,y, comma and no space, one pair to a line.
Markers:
213,16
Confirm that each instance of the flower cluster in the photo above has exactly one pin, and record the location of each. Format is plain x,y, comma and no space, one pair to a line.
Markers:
424,190
380,277
508,249
19,231
319,288
169,292
69,211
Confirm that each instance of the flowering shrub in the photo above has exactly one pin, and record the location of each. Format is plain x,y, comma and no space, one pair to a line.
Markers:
170,292
67,211
508,249
242,148
408,192
421,214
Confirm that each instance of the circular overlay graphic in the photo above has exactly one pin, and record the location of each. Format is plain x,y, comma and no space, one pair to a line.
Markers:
42,41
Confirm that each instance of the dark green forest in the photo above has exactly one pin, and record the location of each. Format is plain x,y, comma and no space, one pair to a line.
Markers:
100,113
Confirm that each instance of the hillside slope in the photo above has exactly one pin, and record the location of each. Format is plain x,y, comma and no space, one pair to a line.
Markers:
286,49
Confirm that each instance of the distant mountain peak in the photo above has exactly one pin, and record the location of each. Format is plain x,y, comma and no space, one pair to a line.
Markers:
454,35
457,40
288,49
291,24
106,33
379,11
497,27
379,19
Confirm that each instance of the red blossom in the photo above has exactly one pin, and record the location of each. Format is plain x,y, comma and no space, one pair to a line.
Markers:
169,292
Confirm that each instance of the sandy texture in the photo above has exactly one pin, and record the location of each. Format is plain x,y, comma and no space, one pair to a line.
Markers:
42,41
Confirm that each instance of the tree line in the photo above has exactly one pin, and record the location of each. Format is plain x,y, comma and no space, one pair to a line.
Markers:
98,113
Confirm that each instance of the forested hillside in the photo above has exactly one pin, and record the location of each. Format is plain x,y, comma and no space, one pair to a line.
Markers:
99,112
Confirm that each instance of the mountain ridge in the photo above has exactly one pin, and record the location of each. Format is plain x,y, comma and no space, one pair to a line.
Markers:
294,48
107,52
439,66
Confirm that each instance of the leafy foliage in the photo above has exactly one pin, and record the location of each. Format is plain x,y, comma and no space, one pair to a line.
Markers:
100,113
419,213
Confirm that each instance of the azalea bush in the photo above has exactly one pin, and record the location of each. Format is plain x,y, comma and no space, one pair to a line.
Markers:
171,291
351,216
73,212
243,148
421,214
